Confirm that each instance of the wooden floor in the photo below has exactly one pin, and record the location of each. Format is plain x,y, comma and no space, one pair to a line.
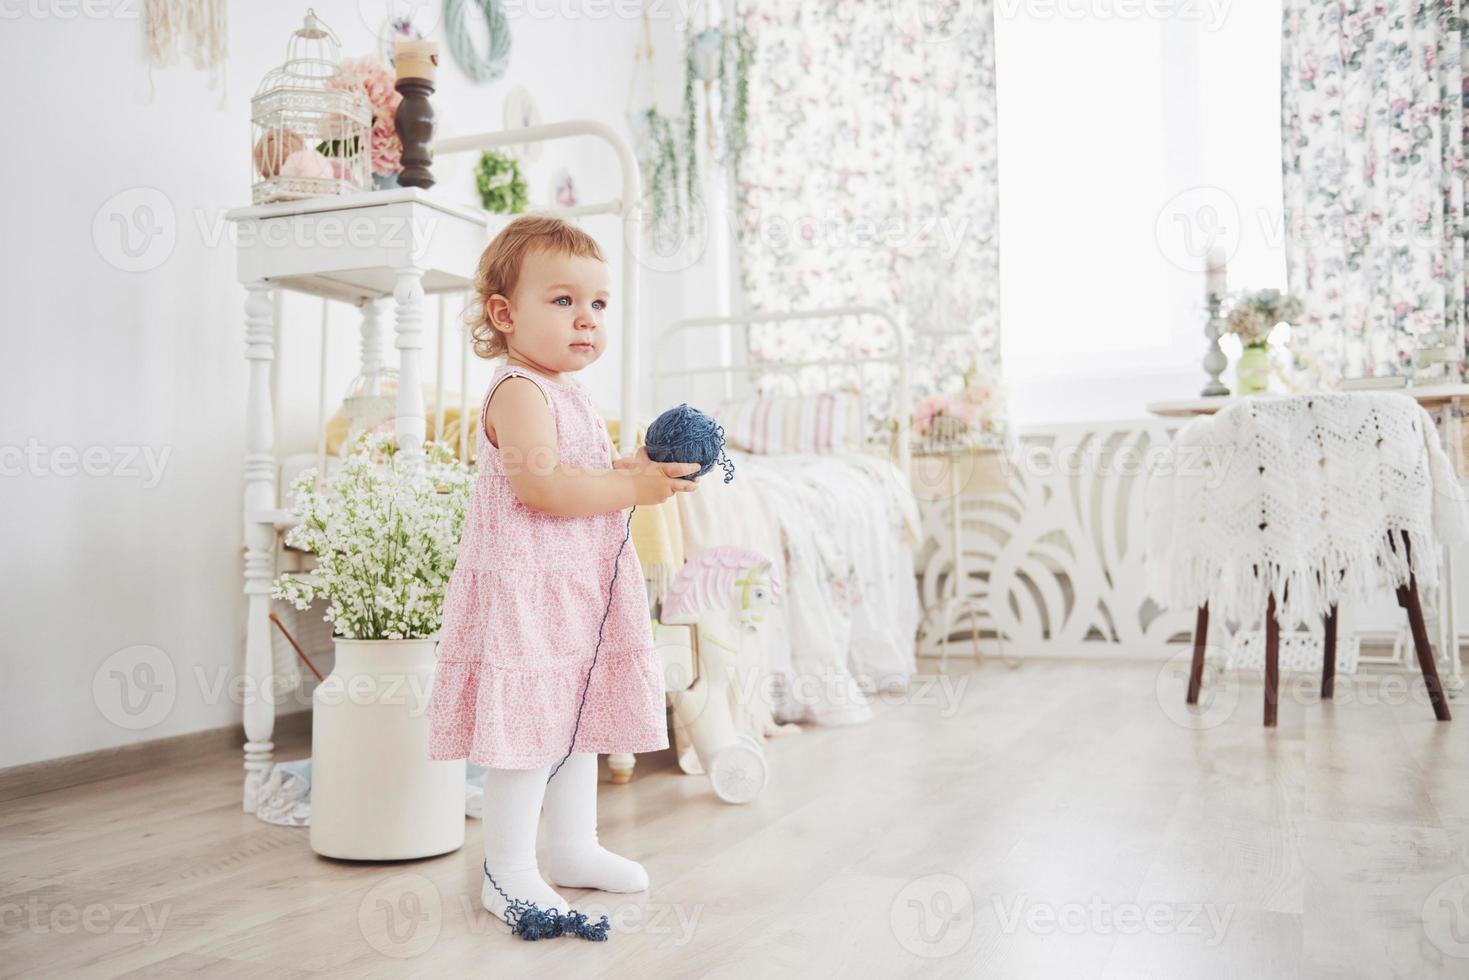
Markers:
1062,819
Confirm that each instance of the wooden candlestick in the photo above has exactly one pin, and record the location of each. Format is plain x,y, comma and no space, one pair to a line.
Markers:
415,122
415,62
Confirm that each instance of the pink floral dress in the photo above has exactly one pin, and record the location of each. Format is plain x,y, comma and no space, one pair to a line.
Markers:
522,610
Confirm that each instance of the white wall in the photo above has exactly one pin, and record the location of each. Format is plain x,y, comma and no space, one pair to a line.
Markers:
113,363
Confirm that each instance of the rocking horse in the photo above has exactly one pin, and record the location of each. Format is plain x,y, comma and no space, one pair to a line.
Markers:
724,593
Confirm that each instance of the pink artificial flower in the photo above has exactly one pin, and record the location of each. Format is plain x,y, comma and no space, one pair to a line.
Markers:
966,407
387,151
370,77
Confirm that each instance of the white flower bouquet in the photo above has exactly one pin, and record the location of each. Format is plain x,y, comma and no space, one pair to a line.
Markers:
385,536
1252,315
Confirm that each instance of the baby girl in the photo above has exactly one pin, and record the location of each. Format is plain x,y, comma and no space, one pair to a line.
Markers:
546,651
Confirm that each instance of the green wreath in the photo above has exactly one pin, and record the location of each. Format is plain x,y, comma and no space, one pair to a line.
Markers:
502,189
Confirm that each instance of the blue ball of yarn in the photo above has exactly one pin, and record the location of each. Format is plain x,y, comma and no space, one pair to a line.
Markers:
686,435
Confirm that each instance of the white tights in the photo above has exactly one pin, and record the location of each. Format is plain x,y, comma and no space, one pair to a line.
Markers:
574,858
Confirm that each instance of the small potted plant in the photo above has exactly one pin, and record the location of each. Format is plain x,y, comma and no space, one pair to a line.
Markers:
385,536
1251,317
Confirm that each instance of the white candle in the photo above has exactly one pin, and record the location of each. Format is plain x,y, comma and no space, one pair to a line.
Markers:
415,59
1214,274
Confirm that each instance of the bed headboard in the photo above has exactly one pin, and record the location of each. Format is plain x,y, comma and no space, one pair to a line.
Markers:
880,379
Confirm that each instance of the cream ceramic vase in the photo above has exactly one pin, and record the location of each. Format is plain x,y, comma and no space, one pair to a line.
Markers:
375,794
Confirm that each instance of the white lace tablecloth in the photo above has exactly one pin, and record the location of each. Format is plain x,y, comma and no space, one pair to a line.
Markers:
1297,495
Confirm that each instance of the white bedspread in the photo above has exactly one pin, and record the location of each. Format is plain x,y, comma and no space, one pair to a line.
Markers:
843,531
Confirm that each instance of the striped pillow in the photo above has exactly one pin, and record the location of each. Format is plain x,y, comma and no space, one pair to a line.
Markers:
826,423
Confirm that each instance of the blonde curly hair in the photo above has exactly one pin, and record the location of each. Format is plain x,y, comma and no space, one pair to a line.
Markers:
499,268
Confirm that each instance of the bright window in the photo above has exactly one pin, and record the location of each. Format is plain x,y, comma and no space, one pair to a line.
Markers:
1128,144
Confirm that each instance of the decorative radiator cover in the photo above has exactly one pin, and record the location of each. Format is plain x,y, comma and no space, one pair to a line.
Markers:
1057,558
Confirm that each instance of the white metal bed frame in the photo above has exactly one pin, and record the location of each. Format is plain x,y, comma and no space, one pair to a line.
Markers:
901,451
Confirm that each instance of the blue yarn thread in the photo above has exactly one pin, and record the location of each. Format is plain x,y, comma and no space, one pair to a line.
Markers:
530,922
683,435
686,435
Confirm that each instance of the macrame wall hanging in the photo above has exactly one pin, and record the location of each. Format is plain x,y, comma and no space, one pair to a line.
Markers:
197,29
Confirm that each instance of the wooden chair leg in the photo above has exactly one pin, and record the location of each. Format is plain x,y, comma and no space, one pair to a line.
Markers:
1328,659
1272,663
1196,670
1408,599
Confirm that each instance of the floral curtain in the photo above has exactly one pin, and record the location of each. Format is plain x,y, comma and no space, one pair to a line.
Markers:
1373,167
870,177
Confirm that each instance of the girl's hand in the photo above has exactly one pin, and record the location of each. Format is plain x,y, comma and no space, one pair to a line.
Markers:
656,482
637,460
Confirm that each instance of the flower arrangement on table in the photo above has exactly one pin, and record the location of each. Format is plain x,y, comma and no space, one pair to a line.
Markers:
971,418
1252,316
377,84
385,535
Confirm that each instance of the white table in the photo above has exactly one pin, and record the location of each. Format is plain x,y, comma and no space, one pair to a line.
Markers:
358,248
1431,397
1452,398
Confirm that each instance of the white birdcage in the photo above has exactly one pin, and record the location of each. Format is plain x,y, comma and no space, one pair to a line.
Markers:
310,129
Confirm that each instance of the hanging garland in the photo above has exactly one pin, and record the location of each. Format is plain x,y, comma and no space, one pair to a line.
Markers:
663,190
734,103
691,138
462,47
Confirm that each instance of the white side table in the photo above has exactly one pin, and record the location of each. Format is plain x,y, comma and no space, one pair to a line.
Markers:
948,476
357,248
